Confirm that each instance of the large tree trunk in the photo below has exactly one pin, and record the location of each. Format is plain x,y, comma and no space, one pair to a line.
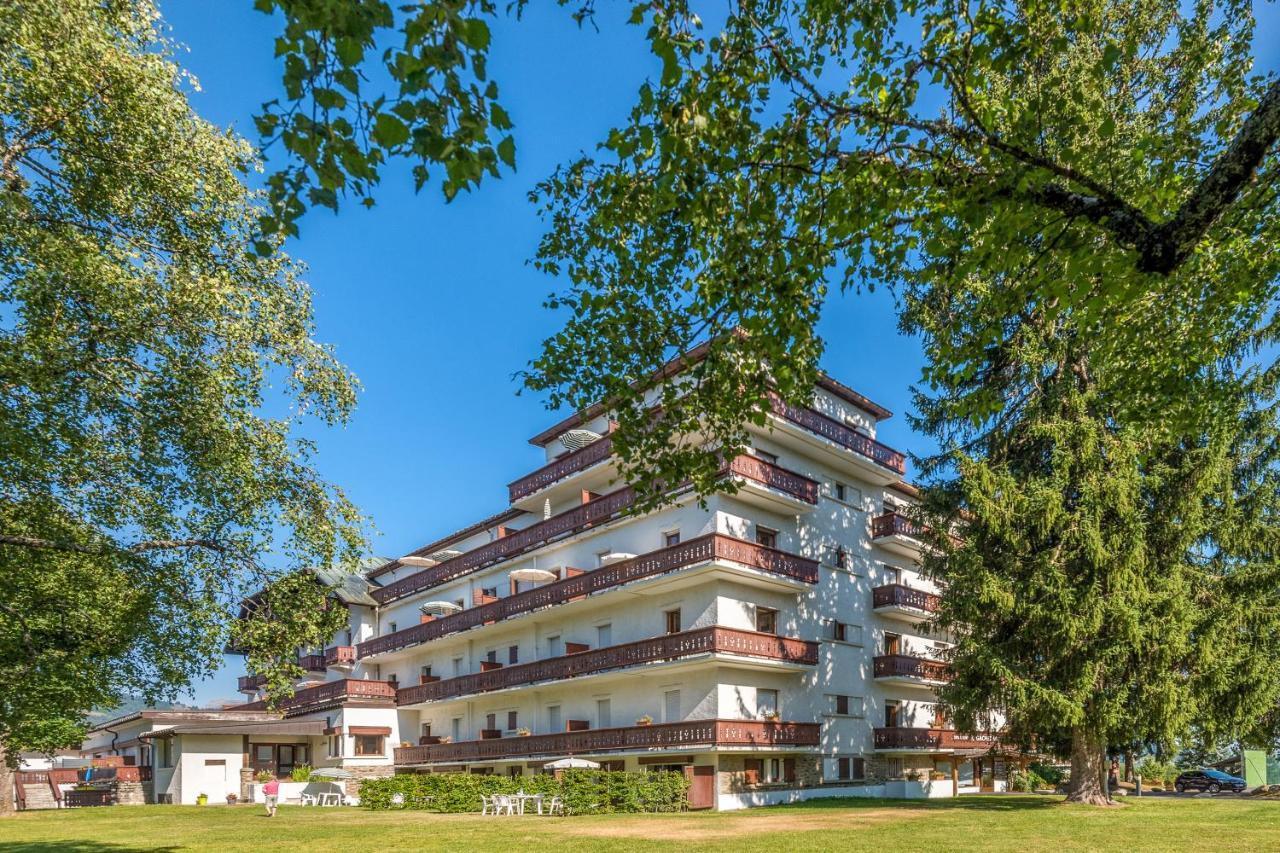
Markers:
1088,769
7,807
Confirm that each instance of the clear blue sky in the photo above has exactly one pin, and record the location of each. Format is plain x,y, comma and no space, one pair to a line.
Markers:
435,307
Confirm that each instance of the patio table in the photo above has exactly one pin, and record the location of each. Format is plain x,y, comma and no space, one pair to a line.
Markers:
522,798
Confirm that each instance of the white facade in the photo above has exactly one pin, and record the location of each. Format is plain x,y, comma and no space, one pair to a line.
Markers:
757,610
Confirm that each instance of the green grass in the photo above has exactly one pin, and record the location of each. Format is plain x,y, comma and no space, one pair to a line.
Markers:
994,823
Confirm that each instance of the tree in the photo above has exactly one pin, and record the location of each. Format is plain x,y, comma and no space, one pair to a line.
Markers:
154,369
1110,582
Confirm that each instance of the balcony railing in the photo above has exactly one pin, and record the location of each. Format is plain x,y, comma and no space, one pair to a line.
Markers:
330,693
907,738
895,524
340,656
703,549
774,476
312,663
905,666
558,469
597,511
686,735
897,595
833,430
685,644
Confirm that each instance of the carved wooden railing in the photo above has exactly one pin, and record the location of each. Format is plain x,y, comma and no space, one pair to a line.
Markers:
699,550
556,470
340,656
326,694
833,430
905,666
908,738
685,735
774,476
894,524
597,511
897,595
684,644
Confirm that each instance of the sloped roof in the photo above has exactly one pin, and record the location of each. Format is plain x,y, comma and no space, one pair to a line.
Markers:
243,727
350,586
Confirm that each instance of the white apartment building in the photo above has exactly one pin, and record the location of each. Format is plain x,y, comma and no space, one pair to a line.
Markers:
767,644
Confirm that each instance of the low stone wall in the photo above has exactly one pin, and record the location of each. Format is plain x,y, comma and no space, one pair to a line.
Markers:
352,786
130,794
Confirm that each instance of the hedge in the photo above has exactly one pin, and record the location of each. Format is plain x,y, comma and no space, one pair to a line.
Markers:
583,791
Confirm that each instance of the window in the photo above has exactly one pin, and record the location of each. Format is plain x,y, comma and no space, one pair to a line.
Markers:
766,536
263,753
604,635
368,744
166,752
848,767
491,656
458,668
771,458
673,621
513,721
491,721
335,745
553,718
604,714
838,489
513,654
425,672
891,715
391,627
842,557
892,644
455,729
671,537
767,703
847,706
348,636
842,704
671,706
554,649
892,575
491,591
517,770
601,555
766,620
426,730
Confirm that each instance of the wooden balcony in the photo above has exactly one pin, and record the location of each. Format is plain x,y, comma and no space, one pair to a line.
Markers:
897,533
250,683
902,602
313,664
340,657
779,487
534,536
559,469
910,669
712,546
703,641
892,463
329,694
934,740
709,734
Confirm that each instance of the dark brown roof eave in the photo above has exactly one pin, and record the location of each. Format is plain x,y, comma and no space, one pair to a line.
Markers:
844,392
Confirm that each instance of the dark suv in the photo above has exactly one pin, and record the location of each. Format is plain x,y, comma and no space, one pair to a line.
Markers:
1212,781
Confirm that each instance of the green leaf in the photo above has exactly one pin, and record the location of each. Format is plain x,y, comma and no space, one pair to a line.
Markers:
389,131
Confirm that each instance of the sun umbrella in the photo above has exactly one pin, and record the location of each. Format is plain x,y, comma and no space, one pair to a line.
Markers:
614,557
533,575
572,764
332,773
440,608
420,562
575,439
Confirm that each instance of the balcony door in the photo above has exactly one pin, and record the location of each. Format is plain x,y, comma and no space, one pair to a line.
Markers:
892,716
892,644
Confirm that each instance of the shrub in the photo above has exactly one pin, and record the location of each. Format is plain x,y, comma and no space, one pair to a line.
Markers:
265,776
301,773
594,791
1027,781
1050,774
1156,772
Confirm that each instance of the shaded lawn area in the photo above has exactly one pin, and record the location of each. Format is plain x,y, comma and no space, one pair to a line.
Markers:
967,823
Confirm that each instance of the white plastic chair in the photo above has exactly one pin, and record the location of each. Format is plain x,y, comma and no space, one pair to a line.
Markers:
504,804
556,806
486,805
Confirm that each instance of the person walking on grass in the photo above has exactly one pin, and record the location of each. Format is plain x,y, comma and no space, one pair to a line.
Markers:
271,792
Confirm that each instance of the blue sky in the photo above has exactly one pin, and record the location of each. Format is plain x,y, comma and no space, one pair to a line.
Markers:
435,307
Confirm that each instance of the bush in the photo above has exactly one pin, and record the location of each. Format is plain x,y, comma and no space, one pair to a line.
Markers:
1050,774
594,791
301,773
1156,772
265,776
1027,781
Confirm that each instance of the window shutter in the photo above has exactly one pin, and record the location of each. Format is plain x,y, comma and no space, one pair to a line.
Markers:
789,769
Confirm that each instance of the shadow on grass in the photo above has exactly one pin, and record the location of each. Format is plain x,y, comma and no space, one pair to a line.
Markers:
77,847
965,802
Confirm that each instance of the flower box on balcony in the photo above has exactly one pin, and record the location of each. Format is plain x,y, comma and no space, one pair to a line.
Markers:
576,648
577,725
429,740
490,734
489,665
428,679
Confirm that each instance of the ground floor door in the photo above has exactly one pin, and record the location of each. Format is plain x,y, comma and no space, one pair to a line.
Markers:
702,786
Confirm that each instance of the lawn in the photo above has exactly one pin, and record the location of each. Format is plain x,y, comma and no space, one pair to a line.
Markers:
968,823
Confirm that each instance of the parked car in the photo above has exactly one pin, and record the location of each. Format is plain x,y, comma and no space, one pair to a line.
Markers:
1212,781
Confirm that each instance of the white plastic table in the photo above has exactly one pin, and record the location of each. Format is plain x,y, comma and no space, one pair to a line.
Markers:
521,799
330,798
